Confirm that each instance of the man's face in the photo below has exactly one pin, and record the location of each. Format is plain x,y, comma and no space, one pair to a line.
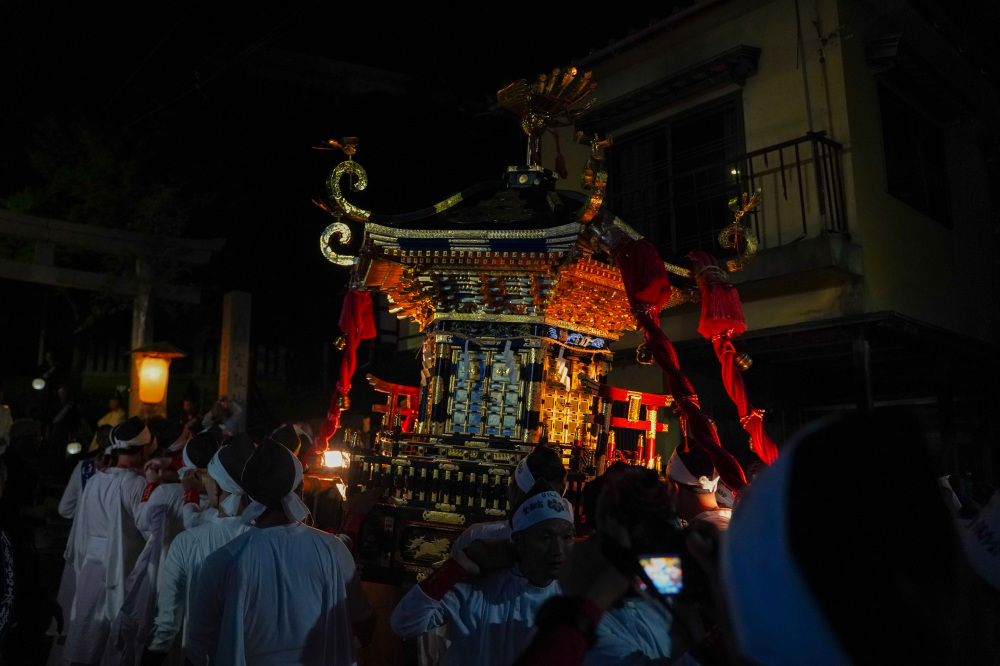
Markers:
113,405
544,547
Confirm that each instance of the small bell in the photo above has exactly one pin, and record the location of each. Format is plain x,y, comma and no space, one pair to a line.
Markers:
343,403
340,342
643,354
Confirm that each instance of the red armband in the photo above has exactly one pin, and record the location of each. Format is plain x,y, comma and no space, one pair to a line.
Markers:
191,496
443,579
149,491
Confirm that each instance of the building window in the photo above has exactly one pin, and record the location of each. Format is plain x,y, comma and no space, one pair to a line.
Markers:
672,181
916,171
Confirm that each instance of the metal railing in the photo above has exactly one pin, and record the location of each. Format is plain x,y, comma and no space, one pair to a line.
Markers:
802,185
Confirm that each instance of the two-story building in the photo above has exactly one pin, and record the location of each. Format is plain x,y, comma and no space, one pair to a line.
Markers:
871,129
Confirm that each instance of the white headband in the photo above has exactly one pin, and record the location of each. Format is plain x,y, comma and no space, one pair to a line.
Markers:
774,616
142,439
188,465
231,505
293,505
542,506
522,476
678,472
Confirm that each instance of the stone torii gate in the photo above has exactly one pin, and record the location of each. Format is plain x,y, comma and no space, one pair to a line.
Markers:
142,286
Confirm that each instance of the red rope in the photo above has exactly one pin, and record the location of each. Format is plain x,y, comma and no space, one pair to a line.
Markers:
648,287
751,418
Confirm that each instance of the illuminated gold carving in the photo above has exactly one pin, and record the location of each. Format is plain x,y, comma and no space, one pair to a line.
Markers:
344,233
447,203
634,403
350,167
444,515
594,176
551,101
731,236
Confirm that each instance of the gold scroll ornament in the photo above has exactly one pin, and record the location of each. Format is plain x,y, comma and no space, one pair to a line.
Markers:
342,231
333,184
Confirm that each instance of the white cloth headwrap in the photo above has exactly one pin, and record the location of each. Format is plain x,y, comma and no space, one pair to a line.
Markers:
774,616
678,472
188,465
294,507
523,477
231,505
542,506
142,439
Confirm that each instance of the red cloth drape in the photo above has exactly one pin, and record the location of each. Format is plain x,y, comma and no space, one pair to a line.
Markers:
357,324
647,284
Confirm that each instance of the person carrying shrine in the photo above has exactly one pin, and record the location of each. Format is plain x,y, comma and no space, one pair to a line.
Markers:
488,600
543,463
282,592
180,574
696,479
105,542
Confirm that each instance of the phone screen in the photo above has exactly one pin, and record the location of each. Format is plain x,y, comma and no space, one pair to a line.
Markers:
664,571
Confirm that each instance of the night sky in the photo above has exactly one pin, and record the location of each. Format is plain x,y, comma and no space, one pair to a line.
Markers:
177,89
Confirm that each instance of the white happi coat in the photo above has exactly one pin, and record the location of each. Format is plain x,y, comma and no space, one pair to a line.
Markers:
491,619
180,574
636,633
278,595
106,544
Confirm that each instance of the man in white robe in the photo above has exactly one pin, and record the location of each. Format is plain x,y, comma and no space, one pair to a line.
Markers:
179,576
106,542
281,593
491,617
159,520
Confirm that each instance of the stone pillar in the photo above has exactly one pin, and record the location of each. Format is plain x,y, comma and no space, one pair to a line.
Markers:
234,357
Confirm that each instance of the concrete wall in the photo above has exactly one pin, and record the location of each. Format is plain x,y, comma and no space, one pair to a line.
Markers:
915,265
911,264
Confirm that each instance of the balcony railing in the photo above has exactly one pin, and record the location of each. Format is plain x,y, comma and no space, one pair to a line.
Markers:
802,187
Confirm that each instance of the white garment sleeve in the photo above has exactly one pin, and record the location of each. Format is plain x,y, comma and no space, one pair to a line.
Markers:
170,596
205,623
70,496
195,515
146,511
416,613
358,607
132,491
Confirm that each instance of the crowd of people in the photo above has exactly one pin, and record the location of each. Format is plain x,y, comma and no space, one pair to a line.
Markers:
199,549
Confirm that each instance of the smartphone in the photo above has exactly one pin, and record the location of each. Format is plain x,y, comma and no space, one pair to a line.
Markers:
663,572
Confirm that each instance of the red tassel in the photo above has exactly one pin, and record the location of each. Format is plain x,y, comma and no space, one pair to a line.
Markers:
721,310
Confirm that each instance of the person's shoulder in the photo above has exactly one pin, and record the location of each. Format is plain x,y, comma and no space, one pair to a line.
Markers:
166,492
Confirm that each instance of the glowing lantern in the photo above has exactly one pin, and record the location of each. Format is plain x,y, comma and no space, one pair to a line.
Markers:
153,373
38,384
334,459
73,448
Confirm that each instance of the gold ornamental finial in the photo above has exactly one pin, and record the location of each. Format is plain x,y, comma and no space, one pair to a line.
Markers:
551,101
733,234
